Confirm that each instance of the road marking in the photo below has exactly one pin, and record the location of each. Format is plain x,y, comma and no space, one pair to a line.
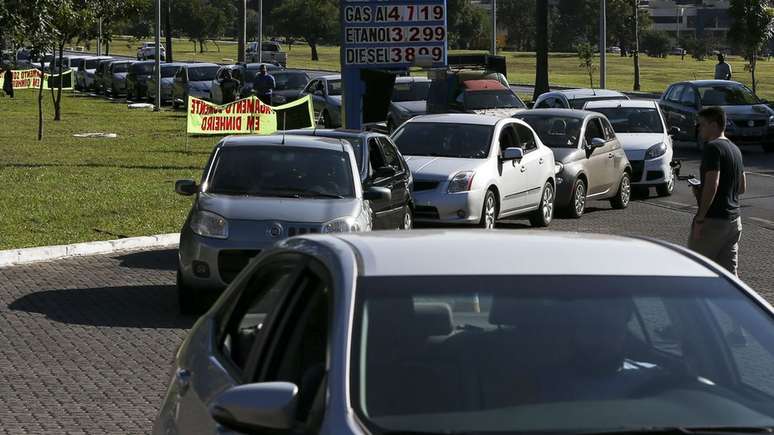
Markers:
677,203
759,174
761,220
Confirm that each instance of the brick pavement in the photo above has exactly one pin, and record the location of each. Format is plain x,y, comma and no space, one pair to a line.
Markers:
86,344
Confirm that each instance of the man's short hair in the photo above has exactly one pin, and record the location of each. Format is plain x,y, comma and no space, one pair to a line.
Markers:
715,115
721,58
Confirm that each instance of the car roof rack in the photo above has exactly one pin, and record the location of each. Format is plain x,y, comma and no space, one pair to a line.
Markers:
478,61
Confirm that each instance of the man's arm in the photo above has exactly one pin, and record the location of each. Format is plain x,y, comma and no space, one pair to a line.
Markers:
708,191
743,184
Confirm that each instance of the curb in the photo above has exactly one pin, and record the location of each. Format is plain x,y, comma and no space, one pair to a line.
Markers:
14,257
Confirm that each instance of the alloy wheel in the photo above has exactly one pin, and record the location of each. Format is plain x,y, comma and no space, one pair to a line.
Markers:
548,203
489,212
580,198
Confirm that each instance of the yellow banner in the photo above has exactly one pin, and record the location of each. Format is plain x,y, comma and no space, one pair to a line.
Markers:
248,116
30,79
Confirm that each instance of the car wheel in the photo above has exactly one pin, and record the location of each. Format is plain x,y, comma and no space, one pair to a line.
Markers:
543,216
408,218
768,147
577,205
667,188
489,211
187,300
621,199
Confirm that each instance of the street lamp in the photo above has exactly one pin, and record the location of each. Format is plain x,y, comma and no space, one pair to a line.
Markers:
158,57
602,44
494,27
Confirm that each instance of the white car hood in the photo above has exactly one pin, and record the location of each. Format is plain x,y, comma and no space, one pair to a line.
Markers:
636,144
279,209
440,168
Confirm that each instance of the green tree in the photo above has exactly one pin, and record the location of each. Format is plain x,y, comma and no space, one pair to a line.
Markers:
202,20
655,43
314,20
586,55
519,19
750,30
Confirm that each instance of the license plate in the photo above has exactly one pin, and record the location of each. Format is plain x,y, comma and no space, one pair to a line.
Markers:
752,132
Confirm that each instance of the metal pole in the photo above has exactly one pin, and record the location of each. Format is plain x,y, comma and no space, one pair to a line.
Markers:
99,38
260,31
636,45
242,44
602,44
158,56
494,27
677,23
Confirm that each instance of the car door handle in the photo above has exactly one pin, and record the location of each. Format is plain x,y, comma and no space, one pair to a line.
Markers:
523,168
610,156
540,161
183,379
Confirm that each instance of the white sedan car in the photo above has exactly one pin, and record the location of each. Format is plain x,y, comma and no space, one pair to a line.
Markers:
643,133
476,169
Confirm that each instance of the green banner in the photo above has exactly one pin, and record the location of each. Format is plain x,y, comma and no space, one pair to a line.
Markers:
248,116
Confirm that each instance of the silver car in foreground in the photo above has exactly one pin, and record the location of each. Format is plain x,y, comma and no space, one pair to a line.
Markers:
258,190
471,332
476,169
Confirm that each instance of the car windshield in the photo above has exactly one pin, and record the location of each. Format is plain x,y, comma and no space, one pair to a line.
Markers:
555,131
498,99
202,73
282,172
559,354
90,64
120,67
290,80
578,103
466,141
415,91
727,95
633,119
142,68
334,87
169,71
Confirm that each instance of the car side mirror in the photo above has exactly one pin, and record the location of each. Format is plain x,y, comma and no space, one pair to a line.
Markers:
186,187
513,153
597,142
257,407
674,131
385,172
377,194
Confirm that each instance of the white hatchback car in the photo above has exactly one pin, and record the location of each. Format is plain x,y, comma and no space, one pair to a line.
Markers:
476,169
643,133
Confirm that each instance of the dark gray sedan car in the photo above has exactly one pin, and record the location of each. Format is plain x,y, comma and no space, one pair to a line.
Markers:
590,161
750,119
114,79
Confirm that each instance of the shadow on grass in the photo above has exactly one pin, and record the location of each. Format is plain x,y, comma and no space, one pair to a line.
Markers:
126,306
164,259
98,165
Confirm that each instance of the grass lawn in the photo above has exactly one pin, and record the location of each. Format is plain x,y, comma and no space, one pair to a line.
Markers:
67,190
655,73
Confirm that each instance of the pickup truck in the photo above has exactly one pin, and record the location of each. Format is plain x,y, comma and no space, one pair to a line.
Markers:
271,52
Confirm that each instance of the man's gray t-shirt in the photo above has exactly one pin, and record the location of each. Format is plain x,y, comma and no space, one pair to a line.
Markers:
722,155
722,71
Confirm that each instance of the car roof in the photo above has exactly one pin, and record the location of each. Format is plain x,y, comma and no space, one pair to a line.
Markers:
585,93
336,133
457,118
330,77
476,252
412,80
569,113
701,83
621,103
172,64
257,65
284,140
198,65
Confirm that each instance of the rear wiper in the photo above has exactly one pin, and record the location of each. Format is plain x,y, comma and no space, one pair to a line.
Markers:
677,430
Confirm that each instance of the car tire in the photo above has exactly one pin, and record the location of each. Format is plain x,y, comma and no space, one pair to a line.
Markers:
621,199
543,216
489,211
577,205
667,188
407,222
187,300
768,147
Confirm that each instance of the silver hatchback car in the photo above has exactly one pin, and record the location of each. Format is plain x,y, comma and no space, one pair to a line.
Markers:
257,190
473,332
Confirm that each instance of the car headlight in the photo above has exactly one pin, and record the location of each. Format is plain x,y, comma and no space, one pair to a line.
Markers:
771,121
657,150
461,182
558,168
208,224
341,225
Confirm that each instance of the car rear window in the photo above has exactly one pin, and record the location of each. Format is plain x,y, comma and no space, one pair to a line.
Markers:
202,73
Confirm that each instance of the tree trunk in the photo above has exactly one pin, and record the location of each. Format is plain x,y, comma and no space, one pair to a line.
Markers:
541,39
40,102
313,46
107,48
168,31
58,101
753,62
241,36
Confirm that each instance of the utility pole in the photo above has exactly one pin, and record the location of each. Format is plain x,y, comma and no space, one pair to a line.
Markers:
494,27
636,45
158,57
602,44
260,31
168,32
242,22
99,38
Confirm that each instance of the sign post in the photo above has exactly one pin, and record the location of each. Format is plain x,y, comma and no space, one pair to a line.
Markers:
387,35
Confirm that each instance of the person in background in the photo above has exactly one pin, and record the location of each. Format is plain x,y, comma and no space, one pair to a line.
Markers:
8,81
230,87
264,85
722,69
717,227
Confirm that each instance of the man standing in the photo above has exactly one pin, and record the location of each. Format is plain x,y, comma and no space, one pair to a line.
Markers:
264,85
230,86
717,226
722,69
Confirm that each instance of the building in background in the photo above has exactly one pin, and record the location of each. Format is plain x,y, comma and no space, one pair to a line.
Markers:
700,18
